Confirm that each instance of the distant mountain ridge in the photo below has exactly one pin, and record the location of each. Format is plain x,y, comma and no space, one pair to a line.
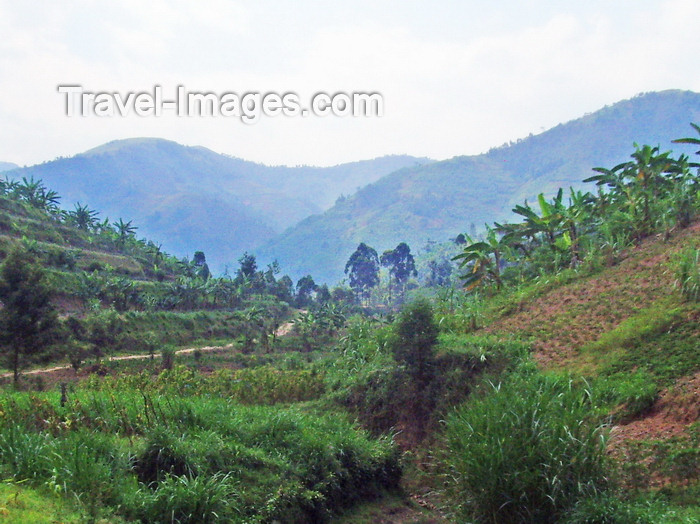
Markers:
7,166
442,199
191,198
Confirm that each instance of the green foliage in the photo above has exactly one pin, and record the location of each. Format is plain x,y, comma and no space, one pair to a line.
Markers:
28,321
401,266
363,270
416,335
483,259
687,273
184,499
525,451
151,457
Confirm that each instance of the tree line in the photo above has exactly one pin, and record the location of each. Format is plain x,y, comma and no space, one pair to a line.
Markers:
653,193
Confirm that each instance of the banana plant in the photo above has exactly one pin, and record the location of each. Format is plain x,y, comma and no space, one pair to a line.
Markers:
483,259
548,222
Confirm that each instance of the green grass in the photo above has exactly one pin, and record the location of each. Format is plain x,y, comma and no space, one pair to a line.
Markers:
146,455
525,450
660,339
23,504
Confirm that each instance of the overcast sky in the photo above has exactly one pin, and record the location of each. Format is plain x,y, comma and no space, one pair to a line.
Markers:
457,77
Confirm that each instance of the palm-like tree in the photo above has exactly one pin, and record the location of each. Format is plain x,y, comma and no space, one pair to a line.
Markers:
84,217
547,223
694,141
483,259
124,230
35,193
9,187
573,217
637,184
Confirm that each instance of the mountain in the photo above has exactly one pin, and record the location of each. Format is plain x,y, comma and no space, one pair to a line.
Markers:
442,199
7,166
191,198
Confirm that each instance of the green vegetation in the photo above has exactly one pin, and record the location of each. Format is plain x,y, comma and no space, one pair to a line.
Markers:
559,385
28,320
202,457
525,451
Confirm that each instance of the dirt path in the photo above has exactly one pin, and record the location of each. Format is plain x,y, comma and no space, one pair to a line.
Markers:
282,331
122,357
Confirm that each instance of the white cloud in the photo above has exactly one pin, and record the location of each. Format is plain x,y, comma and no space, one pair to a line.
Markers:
447,91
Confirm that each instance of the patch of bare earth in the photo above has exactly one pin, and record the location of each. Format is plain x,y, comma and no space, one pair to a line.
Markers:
567,318
670,417
675,410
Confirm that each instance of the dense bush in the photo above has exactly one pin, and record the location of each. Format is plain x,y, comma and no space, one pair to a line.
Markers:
524,451
176,459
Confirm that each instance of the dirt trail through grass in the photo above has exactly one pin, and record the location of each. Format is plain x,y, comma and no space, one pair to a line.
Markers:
282,331
121,357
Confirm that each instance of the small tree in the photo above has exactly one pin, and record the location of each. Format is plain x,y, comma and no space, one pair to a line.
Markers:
201,267
248,266
416,334
28,321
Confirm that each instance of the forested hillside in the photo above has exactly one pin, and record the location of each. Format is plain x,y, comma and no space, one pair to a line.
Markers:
441,200
192,198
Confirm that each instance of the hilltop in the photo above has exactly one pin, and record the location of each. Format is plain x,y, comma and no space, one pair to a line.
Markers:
7,166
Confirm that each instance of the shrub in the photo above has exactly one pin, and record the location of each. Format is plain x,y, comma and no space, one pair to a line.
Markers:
688,273
184,499
524,451
416,336
163,455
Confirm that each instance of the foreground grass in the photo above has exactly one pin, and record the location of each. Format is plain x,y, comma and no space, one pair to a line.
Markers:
21,504
149,456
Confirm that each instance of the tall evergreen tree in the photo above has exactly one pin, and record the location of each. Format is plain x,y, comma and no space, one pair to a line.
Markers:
28,321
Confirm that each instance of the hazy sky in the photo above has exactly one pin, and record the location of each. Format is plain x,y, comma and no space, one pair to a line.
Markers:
457,77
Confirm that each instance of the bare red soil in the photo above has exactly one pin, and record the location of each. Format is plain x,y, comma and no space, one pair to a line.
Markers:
567,318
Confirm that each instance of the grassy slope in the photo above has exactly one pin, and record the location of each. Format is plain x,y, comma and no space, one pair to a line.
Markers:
577,323
620,321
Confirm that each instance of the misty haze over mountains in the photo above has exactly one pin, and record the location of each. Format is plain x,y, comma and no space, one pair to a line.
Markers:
191,198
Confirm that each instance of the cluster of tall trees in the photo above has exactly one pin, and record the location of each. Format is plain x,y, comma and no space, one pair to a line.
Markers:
363,268
654,192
